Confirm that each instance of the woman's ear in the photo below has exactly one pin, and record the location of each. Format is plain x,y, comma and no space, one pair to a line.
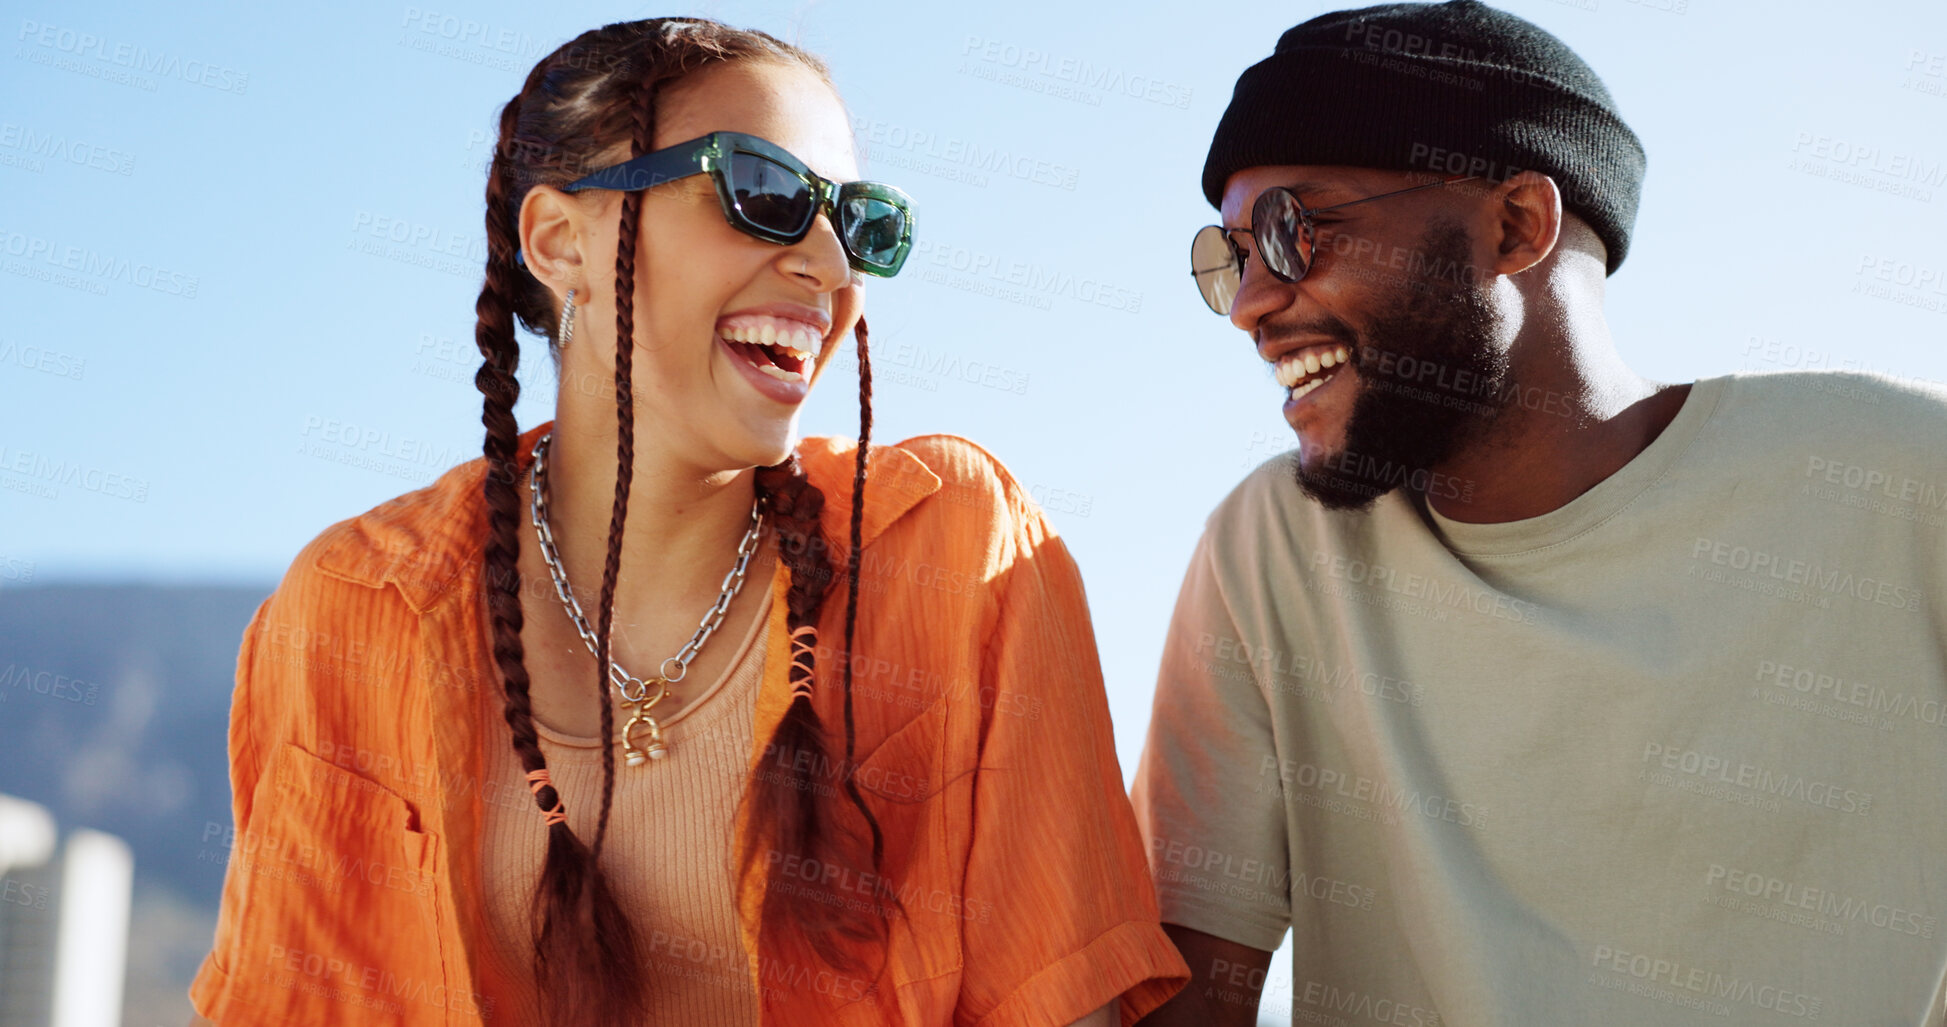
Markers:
553,234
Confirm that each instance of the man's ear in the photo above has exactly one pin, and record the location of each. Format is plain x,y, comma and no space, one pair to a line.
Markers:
1526,221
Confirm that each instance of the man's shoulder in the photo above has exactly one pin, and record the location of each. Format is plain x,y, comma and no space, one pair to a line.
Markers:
1856,414
1864,396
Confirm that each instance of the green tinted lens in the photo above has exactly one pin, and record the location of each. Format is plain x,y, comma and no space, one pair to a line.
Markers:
874,229
875,222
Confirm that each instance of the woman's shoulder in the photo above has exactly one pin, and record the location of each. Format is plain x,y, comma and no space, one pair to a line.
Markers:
941,488
959,461
346,612
418,541
952,457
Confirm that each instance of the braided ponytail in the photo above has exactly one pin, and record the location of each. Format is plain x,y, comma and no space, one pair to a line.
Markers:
786,806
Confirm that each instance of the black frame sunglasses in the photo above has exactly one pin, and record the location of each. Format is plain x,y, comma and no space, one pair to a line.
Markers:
1282,226
768,193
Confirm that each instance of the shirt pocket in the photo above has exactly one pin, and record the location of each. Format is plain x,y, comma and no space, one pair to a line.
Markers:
340,917
902,779
906,767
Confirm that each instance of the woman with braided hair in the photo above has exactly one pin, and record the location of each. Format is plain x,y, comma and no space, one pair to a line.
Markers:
489,766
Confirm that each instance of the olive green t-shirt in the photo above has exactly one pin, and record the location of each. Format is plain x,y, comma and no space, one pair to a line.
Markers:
1675,752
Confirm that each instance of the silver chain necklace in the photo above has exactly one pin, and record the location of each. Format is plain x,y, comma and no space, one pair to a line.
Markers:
638,696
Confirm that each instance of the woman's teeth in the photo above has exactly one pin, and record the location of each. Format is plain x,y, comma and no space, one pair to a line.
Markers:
795,339
780,347
780,373
1298,366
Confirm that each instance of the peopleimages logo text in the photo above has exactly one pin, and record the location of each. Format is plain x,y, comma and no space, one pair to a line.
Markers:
1077,71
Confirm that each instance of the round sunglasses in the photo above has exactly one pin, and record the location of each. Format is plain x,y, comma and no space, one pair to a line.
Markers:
768,193
1284,232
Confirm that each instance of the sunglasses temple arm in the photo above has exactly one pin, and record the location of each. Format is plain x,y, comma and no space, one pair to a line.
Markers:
1381,196
650,169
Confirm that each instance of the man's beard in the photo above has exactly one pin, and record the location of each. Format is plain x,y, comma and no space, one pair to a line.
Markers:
1431,380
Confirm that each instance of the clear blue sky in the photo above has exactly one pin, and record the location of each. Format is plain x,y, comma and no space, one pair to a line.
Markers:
213,177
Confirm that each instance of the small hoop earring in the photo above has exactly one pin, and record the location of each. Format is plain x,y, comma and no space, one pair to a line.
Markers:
567,329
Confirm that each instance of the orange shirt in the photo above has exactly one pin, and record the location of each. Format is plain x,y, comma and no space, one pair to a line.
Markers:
985,751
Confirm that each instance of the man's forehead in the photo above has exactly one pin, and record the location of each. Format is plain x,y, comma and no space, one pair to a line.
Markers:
1309,181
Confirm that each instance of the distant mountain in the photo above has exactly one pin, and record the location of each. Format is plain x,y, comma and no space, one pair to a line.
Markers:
114,714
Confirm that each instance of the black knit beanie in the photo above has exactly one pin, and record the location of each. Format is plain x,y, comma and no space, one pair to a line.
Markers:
1449,88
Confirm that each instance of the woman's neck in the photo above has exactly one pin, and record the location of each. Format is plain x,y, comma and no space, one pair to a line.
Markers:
683,524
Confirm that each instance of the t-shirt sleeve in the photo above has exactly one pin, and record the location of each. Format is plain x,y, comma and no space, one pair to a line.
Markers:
1207,793
1068,922
209,992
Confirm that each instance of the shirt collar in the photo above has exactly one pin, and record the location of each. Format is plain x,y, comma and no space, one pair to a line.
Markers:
424,540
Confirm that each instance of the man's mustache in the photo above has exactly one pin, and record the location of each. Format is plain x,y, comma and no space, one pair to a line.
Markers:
1330,328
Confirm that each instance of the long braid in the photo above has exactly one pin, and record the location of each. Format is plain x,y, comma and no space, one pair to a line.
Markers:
852,585
585,959
641,117
494,334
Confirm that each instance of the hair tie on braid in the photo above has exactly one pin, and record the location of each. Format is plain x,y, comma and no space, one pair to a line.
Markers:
537,780
803,641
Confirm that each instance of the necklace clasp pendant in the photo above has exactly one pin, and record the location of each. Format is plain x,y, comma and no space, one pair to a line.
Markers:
655,750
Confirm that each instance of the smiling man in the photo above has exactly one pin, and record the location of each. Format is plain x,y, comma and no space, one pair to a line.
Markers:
1530,690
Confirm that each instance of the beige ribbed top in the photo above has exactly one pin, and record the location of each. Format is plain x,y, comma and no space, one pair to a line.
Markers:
668,853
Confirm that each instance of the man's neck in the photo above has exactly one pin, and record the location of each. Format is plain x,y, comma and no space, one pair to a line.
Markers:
1574,416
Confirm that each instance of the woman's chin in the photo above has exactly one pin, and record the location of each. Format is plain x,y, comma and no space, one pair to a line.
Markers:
768,446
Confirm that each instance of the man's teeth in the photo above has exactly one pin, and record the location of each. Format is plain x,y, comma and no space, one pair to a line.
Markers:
1293,368
1308,386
